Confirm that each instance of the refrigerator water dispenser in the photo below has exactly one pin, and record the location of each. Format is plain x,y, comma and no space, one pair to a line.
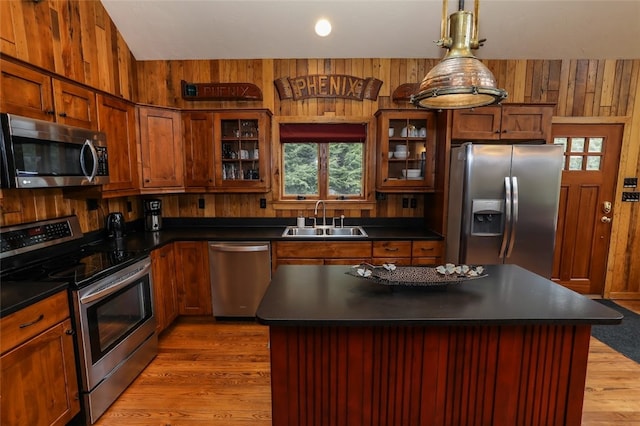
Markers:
488,218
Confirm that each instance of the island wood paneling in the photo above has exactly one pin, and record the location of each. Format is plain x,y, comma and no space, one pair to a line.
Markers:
498,375
77,40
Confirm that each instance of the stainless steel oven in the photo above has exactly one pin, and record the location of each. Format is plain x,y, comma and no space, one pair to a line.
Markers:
116,335
111,290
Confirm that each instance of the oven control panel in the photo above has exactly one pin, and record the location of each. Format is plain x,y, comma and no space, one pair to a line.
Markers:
35,235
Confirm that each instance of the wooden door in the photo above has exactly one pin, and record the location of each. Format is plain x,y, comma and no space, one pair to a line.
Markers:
38,381
592,154
192,273
198,148
75,105
161,148
165,293
25,92
116,118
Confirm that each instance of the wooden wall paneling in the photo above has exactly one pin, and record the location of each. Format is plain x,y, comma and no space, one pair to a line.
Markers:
7,37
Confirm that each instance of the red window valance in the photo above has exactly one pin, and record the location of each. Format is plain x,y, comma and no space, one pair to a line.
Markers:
323,132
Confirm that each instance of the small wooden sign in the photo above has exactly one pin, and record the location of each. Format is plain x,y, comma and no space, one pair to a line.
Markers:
328,86
220,91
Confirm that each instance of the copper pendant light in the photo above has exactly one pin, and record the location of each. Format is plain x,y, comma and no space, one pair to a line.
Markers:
460,80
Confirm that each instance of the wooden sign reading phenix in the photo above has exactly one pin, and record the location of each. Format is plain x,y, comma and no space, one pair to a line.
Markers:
328,86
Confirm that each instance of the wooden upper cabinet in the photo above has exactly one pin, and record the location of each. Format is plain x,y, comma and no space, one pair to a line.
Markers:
161,149
29,93
117,119
507,122
198,128
25,92
74,105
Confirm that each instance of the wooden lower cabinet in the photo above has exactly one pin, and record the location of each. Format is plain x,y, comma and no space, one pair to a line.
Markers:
165,292
396,252
192,273
427,252
39,385
320,253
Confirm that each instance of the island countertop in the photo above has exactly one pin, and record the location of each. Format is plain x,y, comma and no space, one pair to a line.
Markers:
509,295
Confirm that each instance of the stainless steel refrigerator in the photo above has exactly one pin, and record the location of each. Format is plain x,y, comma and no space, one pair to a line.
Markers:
503,205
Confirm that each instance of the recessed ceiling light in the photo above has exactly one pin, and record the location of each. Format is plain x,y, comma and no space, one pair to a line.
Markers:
323,27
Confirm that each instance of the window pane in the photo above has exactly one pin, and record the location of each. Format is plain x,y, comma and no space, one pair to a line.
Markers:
300,169
593,162
575,162
595,144
577,144
345,169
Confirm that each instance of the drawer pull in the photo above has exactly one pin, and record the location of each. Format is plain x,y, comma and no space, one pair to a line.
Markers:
27,324
427,249
391,248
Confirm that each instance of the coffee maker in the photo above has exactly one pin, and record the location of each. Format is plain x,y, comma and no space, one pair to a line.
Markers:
152,215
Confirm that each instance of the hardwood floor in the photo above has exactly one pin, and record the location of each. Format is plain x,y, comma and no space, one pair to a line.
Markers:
217,374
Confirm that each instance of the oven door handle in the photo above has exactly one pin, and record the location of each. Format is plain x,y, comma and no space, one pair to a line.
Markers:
113,286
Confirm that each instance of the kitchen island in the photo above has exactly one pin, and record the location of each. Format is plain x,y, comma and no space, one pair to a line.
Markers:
507,349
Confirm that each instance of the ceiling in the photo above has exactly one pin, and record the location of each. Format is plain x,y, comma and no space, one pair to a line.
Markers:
279,29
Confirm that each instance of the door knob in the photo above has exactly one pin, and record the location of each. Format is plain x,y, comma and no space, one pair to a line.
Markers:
605,219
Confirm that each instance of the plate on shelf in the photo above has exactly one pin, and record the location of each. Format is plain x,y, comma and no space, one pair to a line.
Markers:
417,276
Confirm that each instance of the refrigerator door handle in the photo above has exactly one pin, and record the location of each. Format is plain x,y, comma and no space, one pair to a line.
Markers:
507,213
514,214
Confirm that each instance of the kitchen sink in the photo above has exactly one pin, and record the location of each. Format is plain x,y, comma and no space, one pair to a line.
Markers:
320,231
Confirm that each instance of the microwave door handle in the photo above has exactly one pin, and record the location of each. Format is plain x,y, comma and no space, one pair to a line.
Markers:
507,211
514,217
94,154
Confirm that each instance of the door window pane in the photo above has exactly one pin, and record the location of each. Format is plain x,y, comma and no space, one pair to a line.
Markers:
575,162
561,141
577,144
593,162
595,144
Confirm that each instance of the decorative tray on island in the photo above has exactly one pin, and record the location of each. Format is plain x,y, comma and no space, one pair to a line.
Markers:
417,276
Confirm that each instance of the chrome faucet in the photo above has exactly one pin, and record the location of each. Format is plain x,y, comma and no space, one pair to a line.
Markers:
324,211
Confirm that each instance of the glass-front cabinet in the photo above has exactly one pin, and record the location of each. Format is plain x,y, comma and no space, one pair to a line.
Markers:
242,147
242,150
406,150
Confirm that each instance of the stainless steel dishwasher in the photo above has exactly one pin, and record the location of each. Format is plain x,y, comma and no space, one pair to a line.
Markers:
240,273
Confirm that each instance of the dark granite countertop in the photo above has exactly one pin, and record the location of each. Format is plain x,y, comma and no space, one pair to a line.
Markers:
17,295
508,295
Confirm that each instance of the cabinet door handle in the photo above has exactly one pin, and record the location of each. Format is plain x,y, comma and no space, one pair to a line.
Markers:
30,323
50,112
63,114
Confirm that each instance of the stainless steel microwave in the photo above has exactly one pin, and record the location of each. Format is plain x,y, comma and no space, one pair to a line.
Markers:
41,154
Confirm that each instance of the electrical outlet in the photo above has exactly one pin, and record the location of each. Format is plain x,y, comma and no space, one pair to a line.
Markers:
92,204
414,203
631,196
405,203
201,203
263,203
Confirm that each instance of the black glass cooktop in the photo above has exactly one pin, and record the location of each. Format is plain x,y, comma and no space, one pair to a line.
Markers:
76,267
